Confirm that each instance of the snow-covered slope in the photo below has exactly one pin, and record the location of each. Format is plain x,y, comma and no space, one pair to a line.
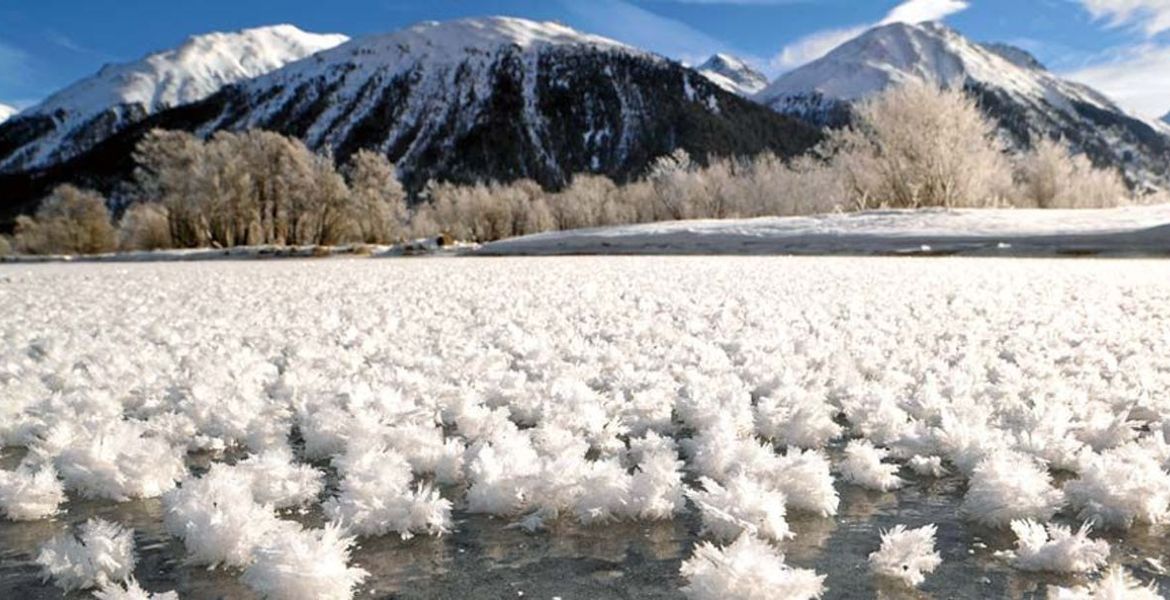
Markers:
733,75
85,113
6,112
486,99
1012,86
1166,118
1136,230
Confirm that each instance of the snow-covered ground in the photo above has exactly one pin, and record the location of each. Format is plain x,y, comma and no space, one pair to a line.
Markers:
1136,230
655,427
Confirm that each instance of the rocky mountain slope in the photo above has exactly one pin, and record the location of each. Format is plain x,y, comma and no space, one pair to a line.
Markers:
1013,88
84,114
733,75
472,100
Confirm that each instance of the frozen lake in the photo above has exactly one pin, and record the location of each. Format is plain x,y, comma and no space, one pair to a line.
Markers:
558,366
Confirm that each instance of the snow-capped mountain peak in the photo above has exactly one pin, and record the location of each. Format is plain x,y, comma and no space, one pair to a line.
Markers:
1012,87
447,42
733,75
927,52
6,112
118,95
491,99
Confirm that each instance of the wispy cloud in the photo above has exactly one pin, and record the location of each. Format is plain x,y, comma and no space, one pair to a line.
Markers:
818,44
1135,76
739,2
639,27
15,65
1149,16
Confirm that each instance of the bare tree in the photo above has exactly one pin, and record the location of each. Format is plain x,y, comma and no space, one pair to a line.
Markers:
69,221
145,226
919,145
1050,177
379,201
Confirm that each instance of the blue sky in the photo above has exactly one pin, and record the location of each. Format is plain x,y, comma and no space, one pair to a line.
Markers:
1122,46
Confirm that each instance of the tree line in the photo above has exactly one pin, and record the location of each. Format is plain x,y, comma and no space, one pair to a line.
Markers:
913,146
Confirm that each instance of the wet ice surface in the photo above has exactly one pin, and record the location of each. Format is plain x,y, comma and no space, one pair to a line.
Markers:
485,558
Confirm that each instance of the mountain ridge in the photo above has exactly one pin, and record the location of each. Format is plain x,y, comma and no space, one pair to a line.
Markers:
1013,88
79,116
472,100
733,75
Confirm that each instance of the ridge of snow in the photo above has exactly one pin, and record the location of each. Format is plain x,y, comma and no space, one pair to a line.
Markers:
198,68
1015,55
438,56
733,75
929,52
443,42
190,72
6,112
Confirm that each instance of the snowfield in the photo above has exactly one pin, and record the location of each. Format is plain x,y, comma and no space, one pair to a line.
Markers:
651,427
1127,231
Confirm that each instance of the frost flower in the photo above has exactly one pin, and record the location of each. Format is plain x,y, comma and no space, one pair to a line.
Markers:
101,553
906,554
863,466
1056,548
749,569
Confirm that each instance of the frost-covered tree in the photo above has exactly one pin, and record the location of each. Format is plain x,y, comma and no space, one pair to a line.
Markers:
70,221
1049,176
254,187
145,226
378,200
919,145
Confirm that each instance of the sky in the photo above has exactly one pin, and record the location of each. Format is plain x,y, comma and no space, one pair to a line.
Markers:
1122,47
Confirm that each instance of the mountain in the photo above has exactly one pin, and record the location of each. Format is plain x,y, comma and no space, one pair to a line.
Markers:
1014,89
77,118
6,112
733,75
473,100
1166,118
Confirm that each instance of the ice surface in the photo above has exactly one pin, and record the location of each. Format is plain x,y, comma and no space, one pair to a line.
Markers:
563,393
1136,230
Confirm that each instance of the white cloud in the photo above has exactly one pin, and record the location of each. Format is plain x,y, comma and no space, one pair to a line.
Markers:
1150,16
816,45
1135,76
920,11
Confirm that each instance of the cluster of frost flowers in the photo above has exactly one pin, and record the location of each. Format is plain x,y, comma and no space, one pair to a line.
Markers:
906,554
746,392
101,553
748,569
1116,584
1056,548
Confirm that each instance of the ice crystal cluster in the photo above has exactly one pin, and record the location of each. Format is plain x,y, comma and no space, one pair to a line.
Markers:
745,393
906,554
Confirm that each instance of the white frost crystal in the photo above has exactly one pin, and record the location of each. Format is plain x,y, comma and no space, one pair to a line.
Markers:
906,554
1056,548
863,466
28,494
101,553
306,565
748,569
1009,486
